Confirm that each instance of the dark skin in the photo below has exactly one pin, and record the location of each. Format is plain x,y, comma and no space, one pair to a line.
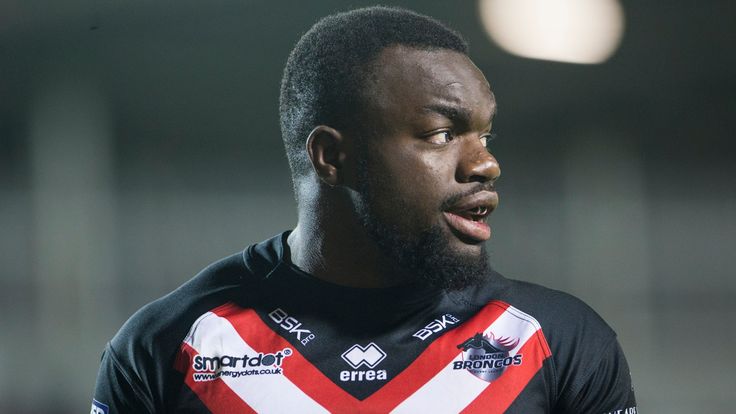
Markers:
431,113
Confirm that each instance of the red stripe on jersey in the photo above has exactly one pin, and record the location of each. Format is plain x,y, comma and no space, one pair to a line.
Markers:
183,360
496,397
437,355
499,395
296,368
215,394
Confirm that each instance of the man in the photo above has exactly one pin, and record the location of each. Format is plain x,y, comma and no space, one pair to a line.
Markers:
381,299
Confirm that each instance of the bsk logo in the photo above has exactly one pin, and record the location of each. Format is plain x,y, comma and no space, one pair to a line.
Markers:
370,356
436,326
291,325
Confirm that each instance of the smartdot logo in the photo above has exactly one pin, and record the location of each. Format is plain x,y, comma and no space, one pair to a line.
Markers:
209,368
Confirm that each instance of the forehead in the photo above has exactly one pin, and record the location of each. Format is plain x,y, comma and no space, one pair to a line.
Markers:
405,81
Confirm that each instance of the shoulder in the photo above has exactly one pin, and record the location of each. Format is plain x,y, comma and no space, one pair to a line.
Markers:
579,340
158,327
162,324
138,367
561,315
137,370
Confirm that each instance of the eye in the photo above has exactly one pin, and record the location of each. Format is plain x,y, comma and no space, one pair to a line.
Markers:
440,137
486,139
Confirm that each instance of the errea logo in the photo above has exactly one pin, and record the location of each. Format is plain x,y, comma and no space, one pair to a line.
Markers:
370,355
356,356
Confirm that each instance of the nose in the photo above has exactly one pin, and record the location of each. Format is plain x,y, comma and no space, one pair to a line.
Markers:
477,164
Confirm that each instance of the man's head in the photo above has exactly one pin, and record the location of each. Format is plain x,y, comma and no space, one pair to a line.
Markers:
327,70
402,157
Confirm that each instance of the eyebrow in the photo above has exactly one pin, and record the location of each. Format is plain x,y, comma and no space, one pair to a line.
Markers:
454,113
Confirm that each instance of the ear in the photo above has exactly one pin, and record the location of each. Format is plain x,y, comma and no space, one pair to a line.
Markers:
327,150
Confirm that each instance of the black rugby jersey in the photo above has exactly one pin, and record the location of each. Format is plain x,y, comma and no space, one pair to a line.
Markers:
252,333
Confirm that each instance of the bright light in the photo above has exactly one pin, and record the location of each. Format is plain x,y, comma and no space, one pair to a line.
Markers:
575,31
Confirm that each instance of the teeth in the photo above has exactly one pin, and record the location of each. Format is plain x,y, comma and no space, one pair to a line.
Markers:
478,211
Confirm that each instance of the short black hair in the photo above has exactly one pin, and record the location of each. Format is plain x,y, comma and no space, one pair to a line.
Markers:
327,68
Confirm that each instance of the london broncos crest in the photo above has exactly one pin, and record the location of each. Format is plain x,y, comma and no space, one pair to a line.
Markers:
486,356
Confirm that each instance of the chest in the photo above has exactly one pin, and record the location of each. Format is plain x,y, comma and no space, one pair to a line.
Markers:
239,359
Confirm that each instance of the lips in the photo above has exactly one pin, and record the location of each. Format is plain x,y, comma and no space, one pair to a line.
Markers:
467,216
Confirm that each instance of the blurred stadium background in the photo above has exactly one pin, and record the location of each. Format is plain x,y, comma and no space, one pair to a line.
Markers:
139,141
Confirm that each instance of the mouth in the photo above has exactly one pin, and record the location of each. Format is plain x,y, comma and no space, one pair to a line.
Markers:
467,217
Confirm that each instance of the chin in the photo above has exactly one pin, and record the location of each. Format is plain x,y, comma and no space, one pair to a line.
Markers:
465,247
434,256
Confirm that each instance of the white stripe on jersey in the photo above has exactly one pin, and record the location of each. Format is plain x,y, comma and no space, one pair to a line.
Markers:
212,335
450,391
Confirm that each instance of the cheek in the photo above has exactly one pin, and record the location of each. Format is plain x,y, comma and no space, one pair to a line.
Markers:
414,183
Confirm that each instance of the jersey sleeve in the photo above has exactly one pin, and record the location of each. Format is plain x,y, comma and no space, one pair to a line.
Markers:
116,389
606,389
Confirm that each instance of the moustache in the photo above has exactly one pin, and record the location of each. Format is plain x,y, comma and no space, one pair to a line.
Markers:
455,198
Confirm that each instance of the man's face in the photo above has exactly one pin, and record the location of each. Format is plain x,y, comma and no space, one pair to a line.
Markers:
425,182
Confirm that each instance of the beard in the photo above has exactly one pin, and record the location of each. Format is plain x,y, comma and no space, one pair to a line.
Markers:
426,257
423,256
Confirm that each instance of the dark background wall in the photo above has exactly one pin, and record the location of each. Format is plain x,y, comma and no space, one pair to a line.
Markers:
139,141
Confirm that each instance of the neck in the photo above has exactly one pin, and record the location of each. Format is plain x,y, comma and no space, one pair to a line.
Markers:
334,246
